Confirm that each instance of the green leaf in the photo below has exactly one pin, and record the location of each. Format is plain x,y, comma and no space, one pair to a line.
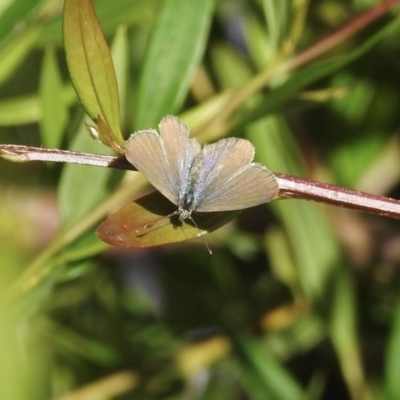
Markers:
367,110
20,110
120,55
91,67
54,108
231,68
82,187
392,367
175,49
28,109
278,18
263,376
15,51
111,14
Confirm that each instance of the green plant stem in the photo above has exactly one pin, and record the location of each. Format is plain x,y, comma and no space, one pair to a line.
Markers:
45,262
280,67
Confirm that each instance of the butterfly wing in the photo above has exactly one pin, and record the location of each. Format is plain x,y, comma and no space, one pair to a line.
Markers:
230,181
179,150
221,160
163,159
252,185
144,150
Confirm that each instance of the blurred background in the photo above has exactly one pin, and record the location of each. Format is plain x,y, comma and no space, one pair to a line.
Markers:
298,300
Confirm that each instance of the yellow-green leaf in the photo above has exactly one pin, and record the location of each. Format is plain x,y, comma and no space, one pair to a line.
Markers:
91,67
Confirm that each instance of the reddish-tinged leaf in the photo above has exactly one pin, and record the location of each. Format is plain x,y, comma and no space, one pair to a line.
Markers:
91,67
142,223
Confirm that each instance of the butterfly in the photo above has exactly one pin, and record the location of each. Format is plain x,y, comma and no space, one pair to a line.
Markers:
217,177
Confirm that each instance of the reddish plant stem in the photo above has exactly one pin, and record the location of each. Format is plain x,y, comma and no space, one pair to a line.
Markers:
19,153
342,34
290,187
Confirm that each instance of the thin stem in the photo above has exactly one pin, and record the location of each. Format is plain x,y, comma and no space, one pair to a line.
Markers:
339,36
289,186
17,153
292,187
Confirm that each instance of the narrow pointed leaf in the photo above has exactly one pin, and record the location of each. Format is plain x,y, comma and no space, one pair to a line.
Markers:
91,67
120,55
175,49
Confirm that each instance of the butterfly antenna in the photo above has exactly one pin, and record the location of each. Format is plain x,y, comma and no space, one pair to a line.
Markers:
191,219
200,235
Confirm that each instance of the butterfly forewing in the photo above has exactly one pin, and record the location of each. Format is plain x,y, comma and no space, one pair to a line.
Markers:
179,150
249,187
145,151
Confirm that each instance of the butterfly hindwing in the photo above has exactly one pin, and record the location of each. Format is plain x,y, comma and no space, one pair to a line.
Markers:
222,160
229,180
252,185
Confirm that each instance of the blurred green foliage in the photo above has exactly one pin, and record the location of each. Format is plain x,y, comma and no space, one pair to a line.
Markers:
297,301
